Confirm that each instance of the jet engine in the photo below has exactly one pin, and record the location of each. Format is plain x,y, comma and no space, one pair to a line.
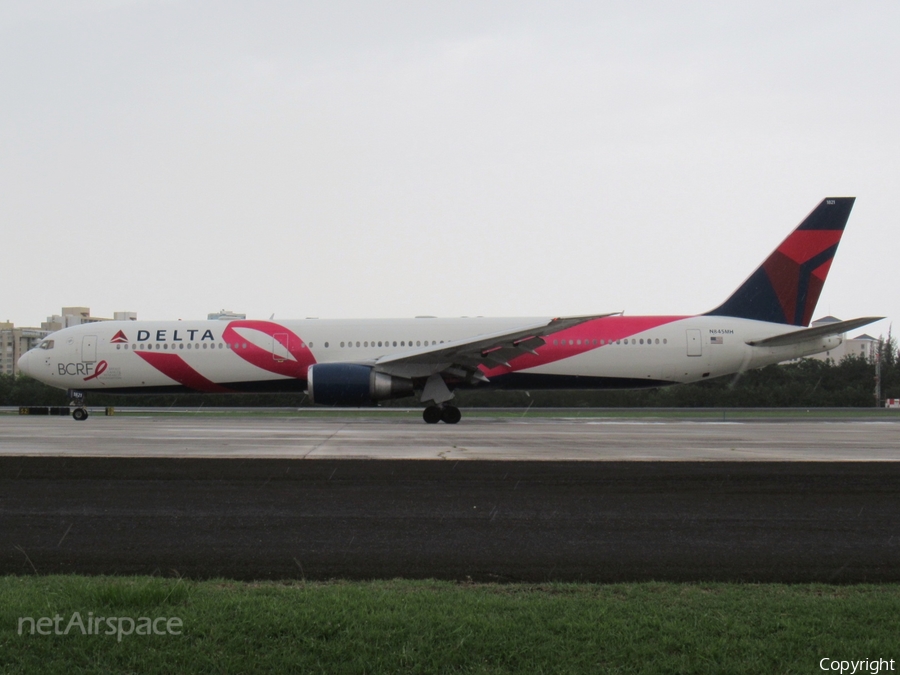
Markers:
351,384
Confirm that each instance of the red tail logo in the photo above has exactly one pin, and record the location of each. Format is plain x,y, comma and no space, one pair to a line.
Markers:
119,338
786,288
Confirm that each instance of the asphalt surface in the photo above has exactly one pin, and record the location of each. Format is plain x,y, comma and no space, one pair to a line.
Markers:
484,520
508,438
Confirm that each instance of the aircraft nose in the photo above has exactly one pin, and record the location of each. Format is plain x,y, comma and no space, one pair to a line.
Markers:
26,363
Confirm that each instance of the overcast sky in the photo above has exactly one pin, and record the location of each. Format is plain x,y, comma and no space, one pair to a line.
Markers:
361,159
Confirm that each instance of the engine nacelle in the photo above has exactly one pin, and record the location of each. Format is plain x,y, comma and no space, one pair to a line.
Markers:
351,384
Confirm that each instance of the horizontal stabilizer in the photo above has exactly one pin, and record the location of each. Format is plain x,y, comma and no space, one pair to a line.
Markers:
815,332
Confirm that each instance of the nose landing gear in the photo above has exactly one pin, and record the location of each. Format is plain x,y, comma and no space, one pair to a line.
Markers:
76,399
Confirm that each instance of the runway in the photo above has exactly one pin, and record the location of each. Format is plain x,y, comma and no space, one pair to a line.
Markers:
502,500
572,439
493,520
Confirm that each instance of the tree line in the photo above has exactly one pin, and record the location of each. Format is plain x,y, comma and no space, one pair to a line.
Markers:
803,383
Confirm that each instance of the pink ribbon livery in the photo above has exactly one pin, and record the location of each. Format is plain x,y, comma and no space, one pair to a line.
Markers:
101,368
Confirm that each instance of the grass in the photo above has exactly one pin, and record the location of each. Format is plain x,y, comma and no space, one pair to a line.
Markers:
444,627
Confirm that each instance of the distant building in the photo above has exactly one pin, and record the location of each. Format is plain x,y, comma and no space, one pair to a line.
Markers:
76,316
862,345
14,342
225,315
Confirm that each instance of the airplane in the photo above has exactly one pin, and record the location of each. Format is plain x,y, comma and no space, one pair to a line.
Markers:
361,362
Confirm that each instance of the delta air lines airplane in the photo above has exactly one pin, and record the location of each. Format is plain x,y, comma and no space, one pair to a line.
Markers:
356,363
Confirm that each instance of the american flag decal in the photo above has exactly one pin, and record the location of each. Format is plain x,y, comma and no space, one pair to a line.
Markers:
716,340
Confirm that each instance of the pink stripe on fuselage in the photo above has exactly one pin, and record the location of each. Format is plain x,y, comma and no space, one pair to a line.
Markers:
263,358
175,367
608,329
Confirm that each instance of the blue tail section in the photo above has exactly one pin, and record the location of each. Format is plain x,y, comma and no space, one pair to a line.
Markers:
786,287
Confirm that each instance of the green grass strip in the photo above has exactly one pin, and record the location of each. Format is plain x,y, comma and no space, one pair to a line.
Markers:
444,627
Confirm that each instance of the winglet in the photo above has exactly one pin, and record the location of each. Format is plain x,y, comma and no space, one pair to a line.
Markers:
786,287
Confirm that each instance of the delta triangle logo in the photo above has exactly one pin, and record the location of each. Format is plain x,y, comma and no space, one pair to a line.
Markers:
119,338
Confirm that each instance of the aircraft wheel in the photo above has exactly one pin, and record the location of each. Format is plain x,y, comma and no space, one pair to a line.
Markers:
431,414
450,414
80,414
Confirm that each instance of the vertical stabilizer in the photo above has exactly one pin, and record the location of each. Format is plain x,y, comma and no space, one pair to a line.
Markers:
786,287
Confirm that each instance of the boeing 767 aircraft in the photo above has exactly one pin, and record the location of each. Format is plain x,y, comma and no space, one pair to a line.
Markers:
355,363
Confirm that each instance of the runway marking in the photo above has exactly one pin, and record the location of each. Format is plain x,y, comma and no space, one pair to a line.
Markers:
319,445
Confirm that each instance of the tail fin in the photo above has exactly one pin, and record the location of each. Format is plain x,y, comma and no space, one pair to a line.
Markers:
786,287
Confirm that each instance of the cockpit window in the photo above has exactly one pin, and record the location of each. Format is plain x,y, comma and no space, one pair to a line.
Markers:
46,344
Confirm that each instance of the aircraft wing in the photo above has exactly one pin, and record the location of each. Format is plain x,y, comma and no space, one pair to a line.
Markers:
812,333
462,358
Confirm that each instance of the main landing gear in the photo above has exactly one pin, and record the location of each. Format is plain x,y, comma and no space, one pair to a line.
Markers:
76,399
438,394
449,414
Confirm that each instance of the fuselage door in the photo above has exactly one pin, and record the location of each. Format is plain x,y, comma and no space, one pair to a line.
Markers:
89,349
694,342
280,346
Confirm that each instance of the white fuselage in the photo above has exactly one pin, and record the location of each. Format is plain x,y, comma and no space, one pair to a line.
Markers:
218,356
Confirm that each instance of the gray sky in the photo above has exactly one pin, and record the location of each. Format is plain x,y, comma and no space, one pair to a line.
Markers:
344,159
